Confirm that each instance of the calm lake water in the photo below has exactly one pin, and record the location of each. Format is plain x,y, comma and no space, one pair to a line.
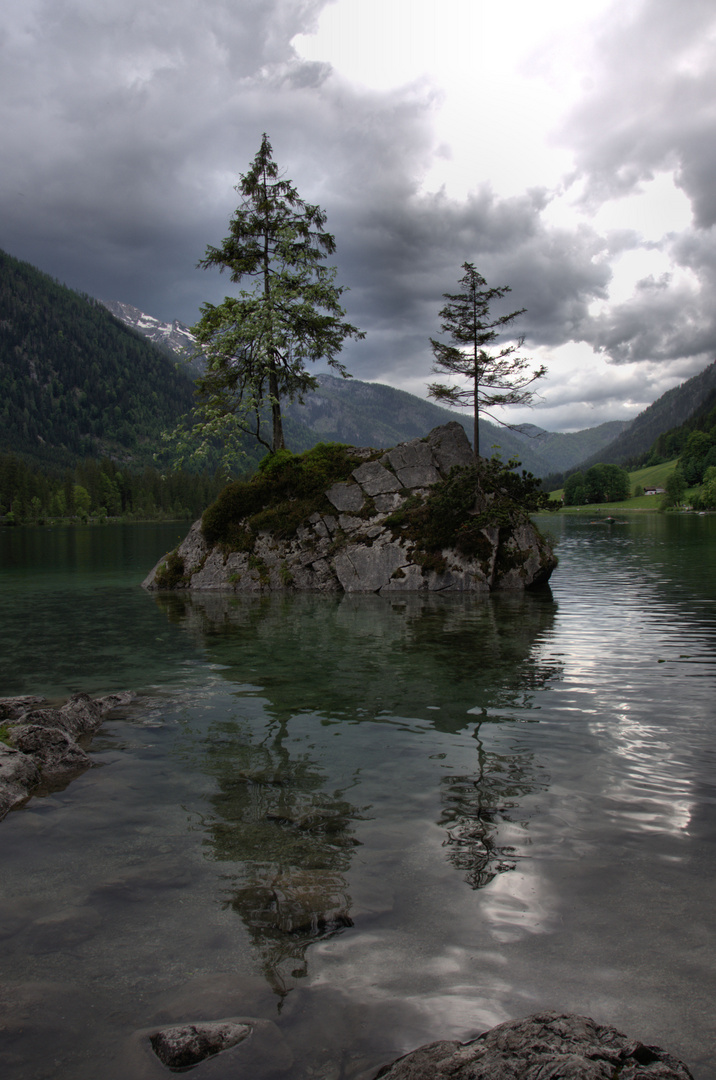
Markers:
370,822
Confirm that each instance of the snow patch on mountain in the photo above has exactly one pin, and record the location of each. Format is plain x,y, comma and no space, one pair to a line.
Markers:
175,335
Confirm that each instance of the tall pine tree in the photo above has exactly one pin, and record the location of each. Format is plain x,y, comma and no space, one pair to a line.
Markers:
493,377
257,344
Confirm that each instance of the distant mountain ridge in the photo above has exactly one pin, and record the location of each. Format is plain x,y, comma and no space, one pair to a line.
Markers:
79,378
671,410
373,414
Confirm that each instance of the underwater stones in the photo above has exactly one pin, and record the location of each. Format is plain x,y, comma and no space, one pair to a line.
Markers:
52,749
18,775
234,1046
542,1045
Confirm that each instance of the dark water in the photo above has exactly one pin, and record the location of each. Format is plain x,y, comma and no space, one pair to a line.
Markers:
372,823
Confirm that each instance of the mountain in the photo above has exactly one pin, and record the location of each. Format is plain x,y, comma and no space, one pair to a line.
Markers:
74,381
373,414
671,410
174,336
565,450
80,378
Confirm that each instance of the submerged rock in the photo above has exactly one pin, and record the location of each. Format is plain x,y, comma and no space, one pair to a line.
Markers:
189,1044
235,1046
543,1045
376,530
41,743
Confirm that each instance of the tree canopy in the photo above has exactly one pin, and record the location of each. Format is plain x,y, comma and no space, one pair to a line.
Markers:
494,377
601,483
257,344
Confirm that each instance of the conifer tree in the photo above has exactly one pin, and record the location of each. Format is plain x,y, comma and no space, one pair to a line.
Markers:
493,377
257,344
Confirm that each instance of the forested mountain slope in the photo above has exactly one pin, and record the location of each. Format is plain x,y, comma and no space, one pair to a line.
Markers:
669,411
74,381
373,414
78,382
564,450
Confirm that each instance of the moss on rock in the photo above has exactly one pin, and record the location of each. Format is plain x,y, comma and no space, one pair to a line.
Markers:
285,491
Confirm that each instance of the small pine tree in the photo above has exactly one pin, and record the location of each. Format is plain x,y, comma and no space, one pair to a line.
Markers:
495,378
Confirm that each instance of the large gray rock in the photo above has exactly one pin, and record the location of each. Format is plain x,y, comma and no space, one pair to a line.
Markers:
545,1046
375,479
354,550
42,742
369,569
414,464
346,497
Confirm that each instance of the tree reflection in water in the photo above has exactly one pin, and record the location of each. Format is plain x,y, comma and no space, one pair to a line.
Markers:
477,805
279,815
292,839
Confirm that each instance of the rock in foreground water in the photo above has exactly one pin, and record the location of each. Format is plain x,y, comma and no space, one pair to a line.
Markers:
42,743
186,1045
545,1046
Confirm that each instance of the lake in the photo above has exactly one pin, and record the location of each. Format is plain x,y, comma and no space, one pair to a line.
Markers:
371,822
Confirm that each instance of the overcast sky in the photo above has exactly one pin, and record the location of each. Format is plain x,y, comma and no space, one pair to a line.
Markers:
567,149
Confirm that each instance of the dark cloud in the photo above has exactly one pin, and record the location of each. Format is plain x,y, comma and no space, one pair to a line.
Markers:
663,320
408,251
125,126
651,111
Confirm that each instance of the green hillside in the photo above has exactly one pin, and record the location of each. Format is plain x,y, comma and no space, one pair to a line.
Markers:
673,409
74,381
650,476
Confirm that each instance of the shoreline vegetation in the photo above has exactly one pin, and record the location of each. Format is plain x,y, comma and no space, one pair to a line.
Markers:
77,522
669,497
99,491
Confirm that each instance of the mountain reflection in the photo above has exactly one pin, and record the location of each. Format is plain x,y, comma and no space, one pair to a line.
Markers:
281,813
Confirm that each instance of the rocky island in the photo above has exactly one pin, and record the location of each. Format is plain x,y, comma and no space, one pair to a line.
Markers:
421,516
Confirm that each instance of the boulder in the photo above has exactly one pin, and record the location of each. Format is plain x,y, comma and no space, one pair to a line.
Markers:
236,1046
540,1046
41,742
355,542
187,1045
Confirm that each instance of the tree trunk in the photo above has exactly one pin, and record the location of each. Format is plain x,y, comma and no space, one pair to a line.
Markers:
277,440
476,432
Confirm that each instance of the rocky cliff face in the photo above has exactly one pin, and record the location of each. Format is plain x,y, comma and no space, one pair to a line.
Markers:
366,537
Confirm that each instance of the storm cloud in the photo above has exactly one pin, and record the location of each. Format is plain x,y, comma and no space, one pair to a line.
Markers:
126,125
